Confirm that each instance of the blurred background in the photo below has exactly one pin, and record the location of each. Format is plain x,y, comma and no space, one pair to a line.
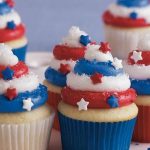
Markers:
47,21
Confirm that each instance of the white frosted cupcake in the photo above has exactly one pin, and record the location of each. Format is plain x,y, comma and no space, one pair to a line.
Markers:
97,110
65,55
124,23
25,119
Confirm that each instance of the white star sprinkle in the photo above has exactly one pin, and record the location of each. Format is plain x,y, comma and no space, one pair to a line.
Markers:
82,105
27,104
136,56
117,63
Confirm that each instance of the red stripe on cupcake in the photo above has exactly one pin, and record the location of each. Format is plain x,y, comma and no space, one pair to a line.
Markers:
97,99
62,52
9,34
123,22
19,69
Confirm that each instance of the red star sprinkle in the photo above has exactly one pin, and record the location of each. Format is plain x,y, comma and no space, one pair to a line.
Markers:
11,93
105,47
96,78
11,3
64,68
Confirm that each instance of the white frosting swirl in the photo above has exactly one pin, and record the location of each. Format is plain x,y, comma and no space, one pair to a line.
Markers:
25,83
93,53
55,63
109,83
73,38
140,72
7,58
122,11
12,16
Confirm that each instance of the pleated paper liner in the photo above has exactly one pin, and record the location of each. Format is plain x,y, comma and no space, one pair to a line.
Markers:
53,100
82,135
30,136
142,128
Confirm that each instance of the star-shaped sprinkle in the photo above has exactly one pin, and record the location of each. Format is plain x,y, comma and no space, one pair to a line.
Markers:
136,56
84,40
64,68
7,74
117,63
105,47
96,78
82,104
11,25
113,102
27,104
133,15
11,93
10,3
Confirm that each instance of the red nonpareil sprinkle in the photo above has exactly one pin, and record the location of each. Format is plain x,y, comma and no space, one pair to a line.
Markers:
64,68
11,93
96,78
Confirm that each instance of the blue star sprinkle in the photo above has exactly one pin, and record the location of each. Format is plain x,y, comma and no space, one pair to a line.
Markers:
148,148
85,40
113,102
7,74
11,25
133,15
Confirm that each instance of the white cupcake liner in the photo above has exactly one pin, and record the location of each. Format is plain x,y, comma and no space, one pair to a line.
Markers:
124,40
31,136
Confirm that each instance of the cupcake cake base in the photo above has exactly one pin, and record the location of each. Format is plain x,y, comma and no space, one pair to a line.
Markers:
76,132
28,131
125,40
142,130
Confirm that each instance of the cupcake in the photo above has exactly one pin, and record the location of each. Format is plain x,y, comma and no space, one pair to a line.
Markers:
12,30
138,67
97,110
64,58
25,119
124,23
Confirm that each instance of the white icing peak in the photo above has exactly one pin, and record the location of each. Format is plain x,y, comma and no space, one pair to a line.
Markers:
122,11
73,38
93,53
144,43
7,58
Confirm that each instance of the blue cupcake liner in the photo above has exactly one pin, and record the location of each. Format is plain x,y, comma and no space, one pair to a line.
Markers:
83,135
20,52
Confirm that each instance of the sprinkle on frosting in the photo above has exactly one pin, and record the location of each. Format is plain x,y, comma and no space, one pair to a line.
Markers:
27,104
84,40
113,102
10,3
7,58
96,78
11,93
82,105
93,53
76,38
117,63
136,56
64,68
105,47
8,74
11,25
133,15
